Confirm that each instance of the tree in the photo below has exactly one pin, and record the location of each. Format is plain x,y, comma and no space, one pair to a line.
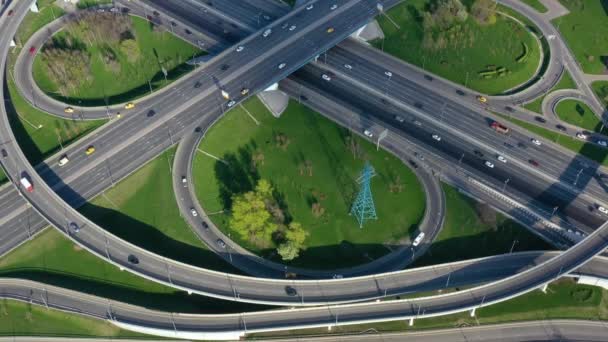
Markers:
296,234
288,251
250,218
484,11
131,49
294,241
257,159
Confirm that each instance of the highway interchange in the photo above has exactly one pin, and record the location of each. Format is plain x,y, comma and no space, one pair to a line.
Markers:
116,253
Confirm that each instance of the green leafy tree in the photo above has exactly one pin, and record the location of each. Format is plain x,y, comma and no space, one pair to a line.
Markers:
250,217
296,234
484,11
288,251
131,49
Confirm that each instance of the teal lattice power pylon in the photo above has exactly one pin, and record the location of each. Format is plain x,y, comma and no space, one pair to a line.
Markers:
363,209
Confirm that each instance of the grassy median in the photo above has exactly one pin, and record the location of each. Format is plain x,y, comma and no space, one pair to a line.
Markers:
313,165
490,58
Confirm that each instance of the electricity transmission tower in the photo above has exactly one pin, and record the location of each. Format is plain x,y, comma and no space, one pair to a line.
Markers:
363,209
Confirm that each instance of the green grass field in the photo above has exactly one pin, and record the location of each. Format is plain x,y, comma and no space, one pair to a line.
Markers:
24,319
586,33
464,227
335,239
34,21
38,133
579,114
601,90
565,82
537,5
158,50
564,299
463,58
142,209
588,150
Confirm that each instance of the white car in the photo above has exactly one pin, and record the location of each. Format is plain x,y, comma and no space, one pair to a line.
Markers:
240,48
581,136
63,160
231,103
399,118
333,7
536,142
418,239
489,164
436,137
368,133
417,123
184,180
309,7
193,212
292,27
602,143
338,276
602,209
501,158
388,73
348,66
326,77
282,65
266,33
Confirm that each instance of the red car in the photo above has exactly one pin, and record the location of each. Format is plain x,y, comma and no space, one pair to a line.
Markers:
533,162
32,50
10,12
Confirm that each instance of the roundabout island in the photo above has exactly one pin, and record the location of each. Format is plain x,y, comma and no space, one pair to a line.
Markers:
312,166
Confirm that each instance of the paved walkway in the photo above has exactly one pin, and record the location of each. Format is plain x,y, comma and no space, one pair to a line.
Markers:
554,9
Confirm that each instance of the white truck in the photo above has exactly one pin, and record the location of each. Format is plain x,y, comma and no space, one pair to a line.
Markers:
26,184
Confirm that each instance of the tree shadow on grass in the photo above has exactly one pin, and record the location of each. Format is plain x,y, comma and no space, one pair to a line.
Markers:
235,175
150,238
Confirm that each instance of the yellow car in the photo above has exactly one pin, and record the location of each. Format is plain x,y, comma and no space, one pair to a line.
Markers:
130,105
69,110
330,29
90,150
482,99
244,91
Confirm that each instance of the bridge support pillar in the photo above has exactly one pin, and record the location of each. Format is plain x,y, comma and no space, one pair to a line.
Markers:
544,288
121,268
473,312
411,321
329,328
34,7
189,292
274,99
369,32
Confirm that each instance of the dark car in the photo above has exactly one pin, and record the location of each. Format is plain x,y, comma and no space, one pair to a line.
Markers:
540,119
290,291
205,225
188,31
156,13
133,259
533,162
428,77
10,12
198,129
414,164
4,153
173,23
221,243
509,109
151,113
198,84
418,105
561,128
508,145
478,153
225,67
460,92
